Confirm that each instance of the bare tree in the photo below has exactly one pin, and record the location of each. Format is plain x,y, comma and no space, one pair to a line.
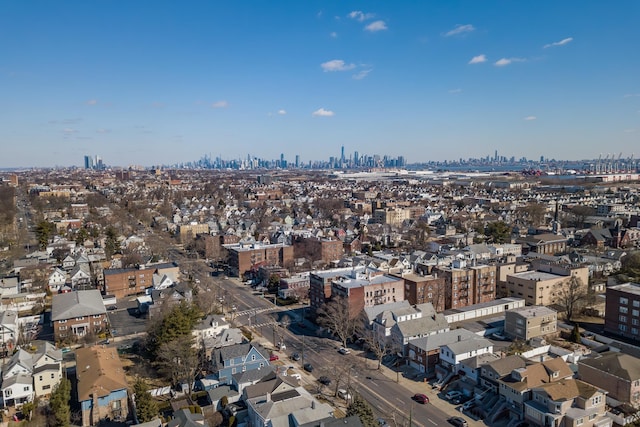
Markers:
571,295
379,346
178,360
335,316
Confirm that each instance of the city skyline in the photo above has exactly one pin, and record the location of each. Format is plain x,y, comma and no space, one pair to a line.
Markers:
150,83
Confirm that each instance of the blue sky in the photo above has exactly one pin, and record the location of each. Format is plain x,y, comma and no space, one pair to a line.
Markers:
160,82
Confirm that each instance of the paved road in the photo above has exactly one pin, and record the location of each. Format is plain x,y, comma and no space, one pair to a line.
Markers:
391,400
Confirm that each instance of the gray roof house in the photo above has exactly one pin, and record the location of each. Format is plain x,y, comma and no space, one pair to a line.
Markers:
76,304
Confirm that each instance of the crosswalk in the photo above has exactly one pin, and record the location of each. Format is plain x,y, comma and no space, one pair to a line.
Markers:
254,311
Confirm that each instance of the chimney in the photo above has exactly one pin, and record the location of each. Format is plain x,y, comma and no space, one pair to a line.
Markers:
313,404
459,338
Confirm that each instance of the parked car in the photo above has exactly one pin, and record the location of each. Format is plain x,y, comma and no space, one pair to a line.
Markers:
468,405
344,350
458,421
324,380
308,367
420,398
273,357
460,399
295,356
452,394
296,376
499,336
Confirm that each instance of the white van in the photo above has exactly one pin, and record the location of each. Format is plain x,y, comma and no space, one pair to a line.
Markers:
344,394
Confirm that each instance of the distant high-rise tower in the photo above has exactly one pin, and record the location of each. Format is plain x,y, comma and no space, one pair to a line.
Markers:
495,156
356,158
342,155
88,162
297,160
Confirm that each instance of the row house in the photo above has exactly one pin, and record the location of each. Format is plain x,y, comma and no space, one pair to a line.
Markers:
615,372
31,374
567,403
399,326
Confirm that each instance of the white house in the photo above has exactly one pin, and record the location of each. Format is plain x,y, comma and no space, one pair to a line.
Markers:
211,326
57,279
47,368
453,353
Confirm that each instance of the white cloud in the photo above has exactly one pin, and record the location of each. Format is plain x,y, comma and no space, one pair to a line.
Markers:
560,43
478,59
282,112
333,35
321,112
376,26
529,118
104,130
337,65
455,91
506,61
362,74
360,16
220,104
92,102
460,29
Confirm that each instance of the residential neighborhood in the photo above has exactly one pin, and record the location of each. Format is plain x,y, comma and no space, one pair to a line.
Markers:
277,298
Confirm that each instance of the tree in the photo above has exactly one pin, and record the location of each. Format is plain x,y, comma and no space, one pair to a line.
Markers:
580,214
630,271
535,212
378,345
178,361
498,232
571,295
146,406
575,334
361,408
335,316
44,232
111,244
59,404
177,322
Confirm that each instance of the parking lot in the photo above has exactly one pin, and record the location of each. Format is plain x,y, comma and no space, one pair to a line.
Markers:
125,320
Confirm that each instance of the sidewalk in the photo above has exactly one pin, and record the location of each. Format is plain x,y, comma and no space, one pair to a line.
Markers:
425,388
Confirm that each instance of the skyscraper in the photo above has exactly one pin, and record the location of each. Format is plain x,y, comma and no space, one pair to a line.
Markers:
342,155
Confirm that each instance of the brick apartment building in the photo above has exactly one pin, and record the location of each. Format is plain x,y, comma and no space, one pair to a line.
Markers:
622,312
362,290
465,285
245,257
124,282
320,283
315,249
420,289
213,246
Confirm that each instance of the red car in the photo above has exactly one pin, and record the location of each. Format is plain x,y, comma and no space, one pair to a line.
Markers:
273,357
420,398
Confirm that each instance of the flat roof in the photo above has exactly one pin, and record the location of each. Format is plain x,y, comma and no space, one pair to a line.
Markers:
632,288
536,275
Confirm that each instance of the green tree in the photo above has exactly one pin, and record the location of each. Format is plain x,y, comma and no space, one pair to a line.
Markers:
361,408
498,232
111,244
44,232
146,406
176,323
59,404
81,236
575,334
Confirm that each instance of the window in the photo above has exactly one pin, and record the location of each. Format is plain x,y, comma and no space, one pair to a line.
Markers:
623,310
52,376
62,321
634,331
579,421
622,318
26,388
635,322
80,318
636,303
624,300
46,387
592,417
623,328
635,312
40,377
253,357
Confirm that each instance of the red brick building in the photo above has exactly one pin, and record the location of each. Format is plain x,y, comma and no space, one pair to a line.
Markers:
420,289
315,249
124,282
76,314
466,286
245,257
362,290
